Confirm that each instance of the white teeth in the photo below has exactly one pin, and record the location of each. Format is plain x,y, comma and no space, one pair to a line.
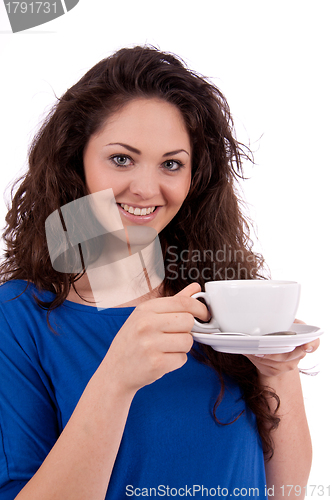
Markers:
137,211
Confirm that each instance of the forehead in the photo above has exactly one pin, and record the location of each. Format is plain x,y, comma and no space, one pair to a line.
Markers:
143,116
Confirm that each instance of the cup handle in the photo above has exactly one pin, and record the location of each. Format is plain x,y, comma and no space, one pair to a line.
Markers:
212,323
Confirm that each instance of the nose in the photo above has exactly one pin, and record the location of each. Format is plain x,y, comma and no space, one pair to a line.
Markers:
145,183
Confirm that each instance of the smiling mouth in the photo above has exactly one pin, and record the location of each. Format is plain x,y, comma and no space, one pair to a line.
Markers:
137,210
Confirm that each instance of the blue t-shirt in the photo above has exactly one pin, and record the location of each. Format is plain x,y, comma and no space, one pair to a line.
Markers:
171,444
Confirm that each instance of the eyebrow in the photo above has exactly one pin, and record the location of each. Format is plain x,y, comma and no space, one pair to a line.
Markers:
138,152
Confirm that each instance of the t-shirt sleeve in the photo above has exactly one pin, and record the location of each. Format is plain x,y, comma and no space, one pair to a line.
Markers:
28,411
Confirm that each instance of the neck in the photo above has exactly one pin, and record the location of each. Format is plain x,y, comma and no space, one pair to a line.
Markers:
127,282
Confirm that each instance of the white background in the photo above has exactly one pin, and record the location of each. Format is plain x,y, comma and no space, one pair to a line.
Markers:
273,61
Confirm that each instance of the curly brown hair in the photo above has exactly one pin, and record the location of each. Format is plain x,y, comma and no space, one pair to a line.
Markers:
209,220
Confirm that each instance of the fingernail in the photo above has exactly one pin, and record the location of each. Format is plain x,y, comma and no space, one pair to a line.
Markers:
259,355
308,349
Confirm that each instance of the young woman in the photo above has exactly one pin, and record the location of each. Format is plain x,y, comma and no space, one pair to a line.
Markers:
116,402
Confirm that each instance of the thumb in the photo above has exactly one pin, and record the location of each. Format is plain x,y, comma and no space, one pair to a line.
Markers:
189,290
299,321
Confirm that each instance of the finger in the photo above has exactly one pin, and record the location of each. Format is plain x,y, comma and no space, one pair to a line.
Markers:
285,357
175,342
189,290
271,367
175,322
296,355
311,346
165,304
195,307
202,312
299,321
181,302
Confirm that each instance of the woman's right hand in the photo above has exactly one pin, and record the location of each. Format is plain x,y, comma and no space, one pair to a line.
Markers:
155,339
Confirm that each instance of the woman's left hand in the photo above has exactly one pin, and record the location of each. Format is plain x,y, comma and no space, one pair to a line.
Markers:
274,365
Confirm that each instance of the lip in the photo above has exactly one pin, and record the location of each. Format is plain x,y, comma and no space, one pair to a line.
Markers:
138,219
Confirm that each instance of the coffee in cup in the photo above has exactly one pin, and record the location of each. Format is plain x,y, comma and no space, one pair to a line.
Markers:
255,307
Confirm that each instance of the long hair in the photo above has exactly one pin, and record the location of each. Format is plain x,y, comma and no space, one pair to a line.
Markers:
209,229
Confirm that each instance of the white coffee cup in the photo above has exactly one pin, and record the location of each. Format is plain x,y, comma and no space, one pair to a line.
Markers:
255,307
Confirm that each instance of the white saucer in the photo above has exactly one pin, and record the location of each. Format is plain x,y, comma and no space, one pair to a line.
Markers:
257,344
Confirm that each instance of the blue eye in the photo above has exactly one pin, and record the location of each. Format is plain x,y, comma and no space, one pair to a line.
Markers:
173,165
121,160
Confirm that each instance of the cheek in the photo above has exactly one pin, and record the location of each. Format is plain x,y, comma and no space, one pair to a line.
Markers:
179,193
186,186
98,179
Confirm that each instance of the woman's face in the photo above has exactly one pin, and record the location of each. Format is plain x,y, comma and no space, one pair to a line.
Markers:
143,153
